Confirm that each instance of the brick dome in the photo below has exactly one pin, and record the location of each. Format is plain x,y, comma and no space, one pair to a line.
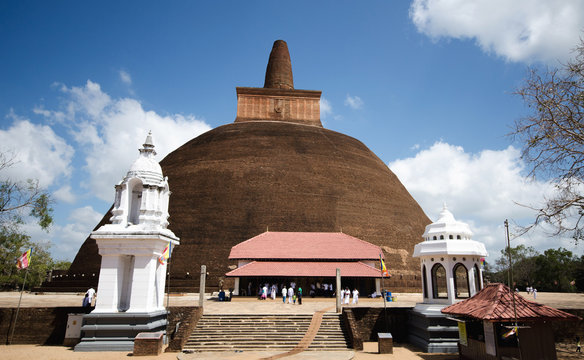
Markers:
288,174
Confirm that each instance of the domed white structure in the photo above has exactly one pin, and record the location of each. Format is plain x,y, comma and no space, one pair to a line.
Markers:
450,261
133,251
450,266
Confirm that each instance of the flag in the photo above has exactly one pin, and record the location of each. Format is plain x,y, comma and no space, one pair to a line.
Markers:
165,255
483,262
510,332
24,260
384,272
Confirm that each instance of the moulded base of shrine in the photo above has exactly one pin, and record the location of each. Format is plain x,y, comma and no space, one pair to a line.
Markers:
116,331
431,330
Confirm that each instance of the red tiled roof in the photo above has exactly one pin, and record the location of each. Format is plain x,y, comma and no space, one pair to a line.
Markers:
495,302
305,245
305,268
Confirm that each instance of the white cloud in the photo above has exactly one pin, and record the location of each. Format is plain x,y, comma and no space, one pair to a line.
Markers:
38,152
110,131
519,30
353,102
325,108
65,194
66,239
481,189
125,77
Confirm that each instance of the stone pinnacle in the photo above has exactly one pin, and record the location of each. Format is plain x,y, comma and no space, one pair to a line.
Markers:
279,70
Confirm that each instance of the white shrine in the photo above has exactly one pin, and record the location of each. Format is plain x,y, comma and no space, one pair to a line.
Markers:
450,263
133,271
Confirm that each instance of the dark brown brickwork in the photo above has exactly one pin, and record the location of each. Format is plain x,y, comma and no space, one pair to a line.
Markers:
187,316
366,323
43,326
233,182
148,344
47,326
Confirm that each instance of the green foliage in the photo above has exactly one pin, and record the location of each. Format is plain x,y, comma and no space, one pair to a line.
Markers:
17,201
555,270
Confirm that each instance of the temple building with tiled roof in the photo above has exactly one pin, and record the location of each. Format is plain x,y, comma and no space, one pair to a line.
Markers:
305,258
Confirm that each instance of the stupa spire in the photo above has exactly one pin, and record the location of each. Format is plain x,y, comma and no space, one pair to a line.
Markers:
279,70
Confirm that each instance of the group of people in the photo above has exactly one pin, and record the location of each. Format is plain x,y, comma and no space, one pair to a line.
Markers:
323,289
531,290
346,296
291,295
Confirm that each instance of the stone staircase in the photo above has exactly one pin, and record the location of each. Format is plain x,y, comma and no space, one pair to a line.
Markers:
275,332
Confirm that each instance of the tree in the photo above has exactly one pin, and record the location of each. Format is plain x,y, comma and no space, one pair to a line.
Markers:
556,270
524,266
553,140
18,200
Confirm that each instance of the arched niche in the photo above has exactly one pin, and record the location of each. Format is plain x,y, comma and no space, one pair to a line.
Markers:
461,284
439,282
134,200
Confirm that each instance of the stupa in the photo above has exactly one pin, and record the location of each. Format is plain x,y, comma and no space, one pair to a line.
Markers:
276,167
451,272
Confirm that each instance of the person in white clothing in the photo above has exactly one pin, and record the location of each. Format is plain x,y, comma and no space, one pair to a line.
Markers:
342,295
355,296
347,296
284,293
290,294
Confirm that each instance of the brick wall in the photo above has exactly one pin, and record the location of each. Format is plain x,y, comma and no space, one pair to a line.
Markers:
188,316
43,326
363,324
46,326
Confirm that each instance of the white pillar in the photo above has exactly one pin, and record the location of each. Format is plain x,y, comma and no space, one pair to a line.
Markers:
109,284
236,287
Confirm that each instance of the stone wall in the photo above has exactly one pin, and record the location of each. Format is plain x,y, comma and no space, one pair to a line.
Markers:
43,326
186,317
363,324
47,326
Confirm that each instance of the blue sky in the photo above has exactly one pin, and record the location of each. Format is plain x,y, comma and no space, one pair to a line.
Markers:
427,85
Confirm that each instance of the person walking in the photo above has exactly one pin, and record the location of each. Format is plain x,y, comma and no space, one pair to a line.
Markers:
534,293
284,293
290,294
578,348
355,296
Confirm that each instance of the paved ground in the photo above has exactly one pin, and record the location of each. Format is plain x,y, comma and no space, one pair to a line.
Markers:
252,305
248,305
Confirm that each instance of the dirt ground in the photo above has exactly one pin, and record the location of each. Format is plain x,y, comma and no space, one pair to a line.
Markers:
402,352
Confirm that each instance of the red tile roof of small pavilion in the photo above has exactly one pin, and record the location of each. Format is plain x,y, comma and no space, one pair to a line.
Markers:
495,303
305,245
305,268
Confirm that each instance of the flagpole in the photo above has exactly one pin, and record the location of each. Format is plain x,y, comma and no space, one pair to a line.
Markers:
384,294
18,308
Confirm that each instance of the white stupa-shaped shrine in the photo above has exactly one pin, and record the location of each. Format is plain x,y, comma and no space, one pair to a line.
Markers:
450,263
133,268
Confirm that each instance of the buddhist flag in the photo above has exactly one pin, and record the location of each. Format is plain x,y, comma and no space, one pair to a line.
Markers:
483,262
384,272
24,260
513,331
165,255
